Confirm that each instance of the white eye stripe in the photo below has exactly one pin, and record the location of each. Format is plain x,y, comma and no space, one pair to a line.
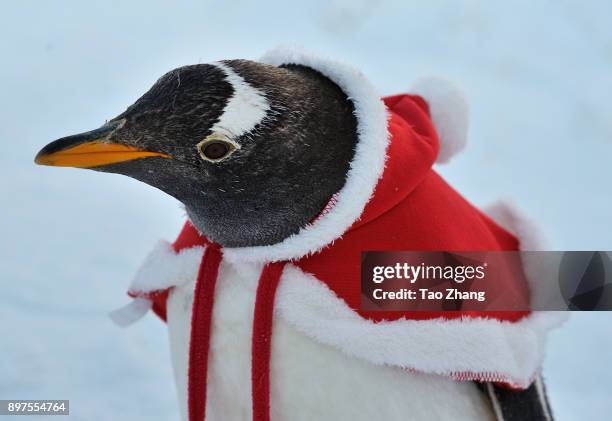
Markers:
246,108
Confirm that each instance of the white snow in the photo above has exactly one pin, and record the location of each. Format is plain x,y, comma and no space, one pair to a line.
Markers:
536,74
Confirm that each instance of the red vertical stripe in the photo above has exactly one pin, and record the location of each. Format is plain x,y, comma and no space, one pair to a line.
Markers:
262,339
199,343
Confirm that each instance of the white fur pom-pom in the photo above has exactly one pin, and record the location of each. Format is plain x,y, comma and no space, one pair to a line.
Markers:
449,112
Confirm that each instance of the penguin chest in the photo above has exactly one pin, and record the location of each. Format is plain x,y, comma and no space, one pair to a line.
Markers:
309,380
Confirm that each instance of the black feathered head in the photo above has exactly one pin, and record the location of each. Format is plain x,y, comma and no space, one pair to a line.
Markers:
253,151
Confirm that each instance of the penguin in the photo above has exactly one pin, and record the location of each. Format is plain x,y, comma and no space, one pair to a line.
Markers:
288,167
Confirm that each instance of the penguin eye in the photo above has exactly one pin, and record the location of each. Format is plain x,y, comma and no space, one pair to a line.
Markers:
216,148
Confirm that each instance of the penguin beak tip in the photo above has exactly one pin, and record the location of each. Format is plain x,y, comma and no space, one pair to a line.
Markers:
88,150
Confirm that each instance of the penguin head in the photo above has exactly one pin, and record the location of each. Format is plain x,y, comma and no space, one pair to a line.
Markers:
253,151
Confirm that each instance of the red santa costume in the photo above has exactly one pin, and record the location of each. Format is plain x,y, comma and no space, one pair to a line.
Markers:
277,331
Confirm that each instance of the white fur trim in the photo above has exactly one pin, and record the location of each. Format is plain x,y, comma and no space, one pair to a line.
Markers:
245,109
468,348
449,112
132,312
163,268
541,268
365,170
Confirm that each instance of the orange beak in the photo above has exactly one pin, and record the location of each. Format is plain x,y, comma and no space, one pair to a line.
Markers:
90,149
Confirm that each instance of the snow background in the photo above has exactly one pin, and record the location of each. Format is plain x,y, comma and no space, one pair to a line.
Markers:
538,76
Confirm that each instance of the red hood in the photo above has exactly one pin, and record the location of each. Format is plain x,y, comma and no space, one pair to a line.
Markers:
412,208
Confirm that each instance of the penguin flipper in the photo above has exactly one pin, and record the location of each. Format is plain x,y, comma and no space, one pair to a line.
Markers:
530,404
